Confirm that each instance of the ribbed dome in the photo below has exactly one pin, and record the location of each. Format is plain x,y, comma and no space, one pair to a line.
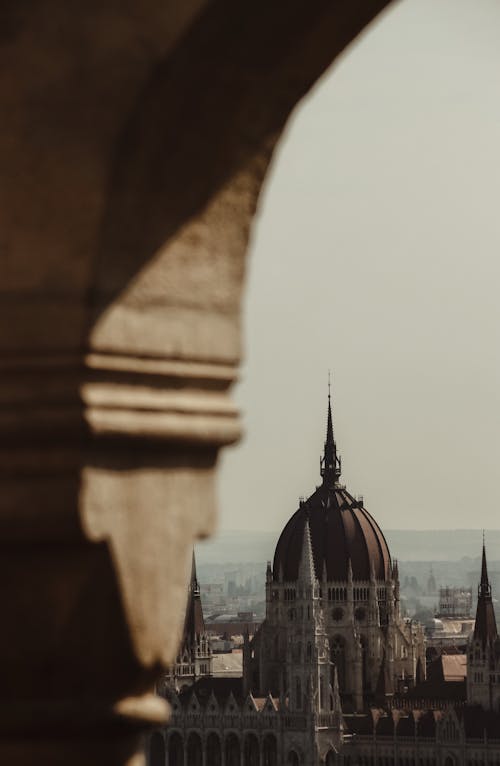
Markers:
342,530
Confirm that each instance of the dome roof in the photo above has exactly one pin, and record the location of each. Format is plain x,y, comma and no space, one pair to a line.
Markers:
342,530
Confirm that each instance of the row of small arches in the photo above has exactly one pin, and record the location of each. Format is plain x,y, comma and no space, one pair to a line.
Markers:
385,760
219,751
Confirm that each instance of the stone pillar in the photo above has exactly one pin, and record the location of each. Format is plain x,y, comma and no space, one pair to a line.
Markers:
133,144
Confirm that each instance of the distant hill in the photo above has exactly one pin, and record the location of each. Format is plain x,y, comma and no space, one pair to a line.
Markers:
442,544
239,547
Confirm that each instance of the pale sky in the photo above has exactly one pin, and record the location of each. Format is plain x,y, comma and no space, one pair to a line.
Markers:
377,254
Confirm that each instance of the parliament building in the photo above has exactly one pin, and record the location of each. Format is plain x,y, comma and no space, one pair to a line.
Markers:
335,674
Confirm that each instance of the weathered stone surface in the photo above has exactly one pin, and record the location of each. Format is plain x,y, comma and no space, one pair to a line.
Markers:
133,144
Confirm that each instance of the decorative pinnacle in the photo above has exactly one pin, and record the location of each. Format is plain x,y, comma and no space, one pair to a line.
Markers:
330,463
307,572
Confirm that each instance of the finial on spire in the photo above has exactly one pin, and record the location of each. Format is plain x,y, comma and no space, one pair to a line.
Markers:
330,463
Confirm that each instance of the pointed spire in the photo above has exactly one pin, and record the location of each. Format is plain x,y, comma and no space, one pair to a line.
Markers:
194,584
306,565
485,627
330,463
194,623
484,585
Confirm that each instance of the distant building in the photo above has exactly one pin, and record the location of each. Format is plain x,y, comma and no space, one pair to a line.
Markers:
455,602
212,595
194,659
431,585
448,635
335,674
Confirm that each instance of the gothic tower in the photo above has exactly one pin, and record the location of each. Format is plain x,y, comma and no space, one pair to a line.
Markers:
195,655
333,550
483,656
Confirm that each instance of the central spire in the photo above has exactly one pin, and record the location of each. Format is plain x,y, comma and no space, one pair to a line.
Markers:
330,463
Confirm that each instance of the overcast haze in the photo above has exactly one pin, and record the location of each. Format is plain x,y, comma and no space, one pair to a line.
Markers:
376,254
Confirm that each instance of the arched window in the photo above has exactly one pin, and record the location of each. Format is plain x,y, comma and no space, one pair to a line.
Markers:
330,758
309,650
293,759
157,752
194,750
214,751
251,750
298,694
232,750
270,751
175,750
337,656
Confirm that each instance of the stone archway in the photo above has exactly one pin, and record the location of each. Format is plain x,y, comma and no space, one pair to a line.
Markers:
269,750
121,331
194,750
251,750
175,750
214,750
232,750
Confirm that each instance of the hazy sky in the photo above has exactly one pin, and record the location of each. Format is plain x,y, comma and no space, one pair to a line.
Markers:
377,254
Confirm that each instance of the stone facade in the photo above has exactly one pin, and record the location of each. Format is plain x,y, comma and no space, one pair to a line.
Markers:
365,636
335,675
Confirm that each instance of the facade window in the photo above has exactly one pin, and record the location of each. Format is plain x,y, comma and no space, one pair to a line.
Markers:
337,656
298,693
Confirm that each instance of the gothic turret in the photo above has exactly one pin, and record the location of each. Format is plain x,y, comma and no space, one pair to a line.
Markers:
332,604
195,655
306,574
483,655
485,627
